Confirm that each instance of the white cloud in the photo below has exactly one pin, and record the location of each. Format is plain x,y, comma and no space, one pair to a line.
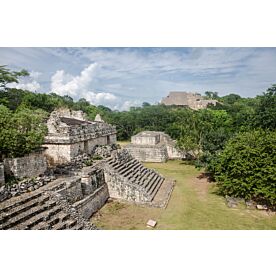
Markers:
35,75
30,86
80,87
75,85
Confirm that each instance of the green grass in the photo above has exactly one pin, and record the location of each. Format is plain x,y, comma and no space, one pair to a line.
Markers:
193,205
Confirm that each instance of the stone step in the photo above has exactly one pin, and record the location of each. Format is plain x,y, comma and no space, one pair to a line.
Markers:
142,176
28,214
77,227
132,170
72,223
145,179
16,201
126,166
155,187
22,208
147,184
60,226
138,174
42,216
44,225
129,166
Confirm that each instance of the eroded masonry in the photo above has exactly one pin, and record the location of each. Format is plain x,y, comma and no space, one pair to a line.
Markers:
153,146
79,169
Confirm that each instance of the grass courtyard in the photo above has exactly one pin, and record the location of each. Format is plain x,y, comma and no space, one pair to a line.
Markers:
193,205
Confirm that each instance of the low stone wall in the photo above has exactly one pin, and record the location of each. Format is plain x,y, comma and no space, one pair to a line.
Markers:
87,193
71,190
93,202
2,176
119,188
31,165
147,153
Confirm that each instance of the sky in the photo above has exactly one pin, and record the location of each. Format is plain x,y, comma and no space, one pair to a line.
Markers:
124,77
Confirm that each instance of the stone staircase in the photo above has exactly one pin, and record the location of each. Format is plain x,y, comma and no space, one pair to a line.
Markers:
39,210
133,172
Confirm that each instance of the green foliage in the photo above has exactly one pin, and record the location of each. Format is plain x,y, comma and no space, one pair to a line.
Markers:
246,167
265,116
97,157
21,132
7,76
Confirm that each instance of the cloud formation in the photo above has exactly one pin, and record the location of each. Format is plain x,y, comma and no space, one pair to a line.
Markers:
122,77
80,87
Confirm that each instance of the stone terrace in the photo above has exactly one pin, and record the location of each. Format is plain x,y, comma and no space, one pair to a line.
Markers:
40,210
130,180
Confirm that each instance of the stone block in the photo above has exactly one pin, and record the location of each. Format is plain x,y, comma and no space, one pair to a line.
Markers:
151,223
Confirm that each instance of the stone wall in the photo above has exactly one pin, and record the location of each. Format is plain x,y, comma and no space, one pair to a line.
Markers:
87,193
2,176
147,153
30,165
145,139
120,188
57,154
93,202
65,153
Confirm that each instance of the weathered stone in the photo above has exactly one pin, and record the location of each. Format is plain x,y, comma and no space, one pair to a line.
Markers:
153,146
30,165
151,223
70,136
2,176
186,99
261,207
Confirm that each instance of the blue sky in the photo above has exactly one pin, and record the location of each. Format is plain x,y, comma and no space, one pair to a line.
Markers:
124,77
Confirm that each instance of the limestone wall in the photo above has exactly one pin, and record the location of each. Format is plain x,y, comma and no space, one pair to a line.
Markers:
120,188
87,193
147,153
2,176
173,152
93,202
145,140
57,154
113,138
30,165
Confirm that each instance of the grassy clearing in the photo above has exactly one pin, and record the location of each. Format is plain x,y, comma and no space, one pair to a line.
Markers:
193,205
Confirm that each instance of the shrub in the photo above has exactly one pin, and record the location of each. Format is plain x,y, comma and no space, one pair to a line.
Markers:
247,167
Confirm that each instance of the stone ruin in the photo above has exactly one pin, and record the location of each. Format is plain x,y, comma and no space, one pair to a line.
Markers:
77,184
187,99
70,135
153,146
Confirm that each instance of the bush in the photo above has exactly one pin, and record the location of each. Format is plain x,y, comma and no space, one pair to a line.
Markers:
247,167
21,132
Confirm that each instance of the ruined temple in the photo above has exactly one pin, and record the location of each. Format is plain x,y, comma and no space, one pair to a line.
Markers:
70,135
67,193
187,99
153,146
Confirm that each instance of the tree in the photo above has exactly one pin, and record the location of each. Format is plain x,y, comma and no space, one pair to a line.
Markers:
144,104
265,114
21,132
246,167
211,95
7,76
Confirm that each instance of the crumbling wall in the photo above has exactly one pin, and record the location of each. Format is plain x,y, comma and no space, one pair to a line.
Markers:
93,202
31,165
2,175
87,193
